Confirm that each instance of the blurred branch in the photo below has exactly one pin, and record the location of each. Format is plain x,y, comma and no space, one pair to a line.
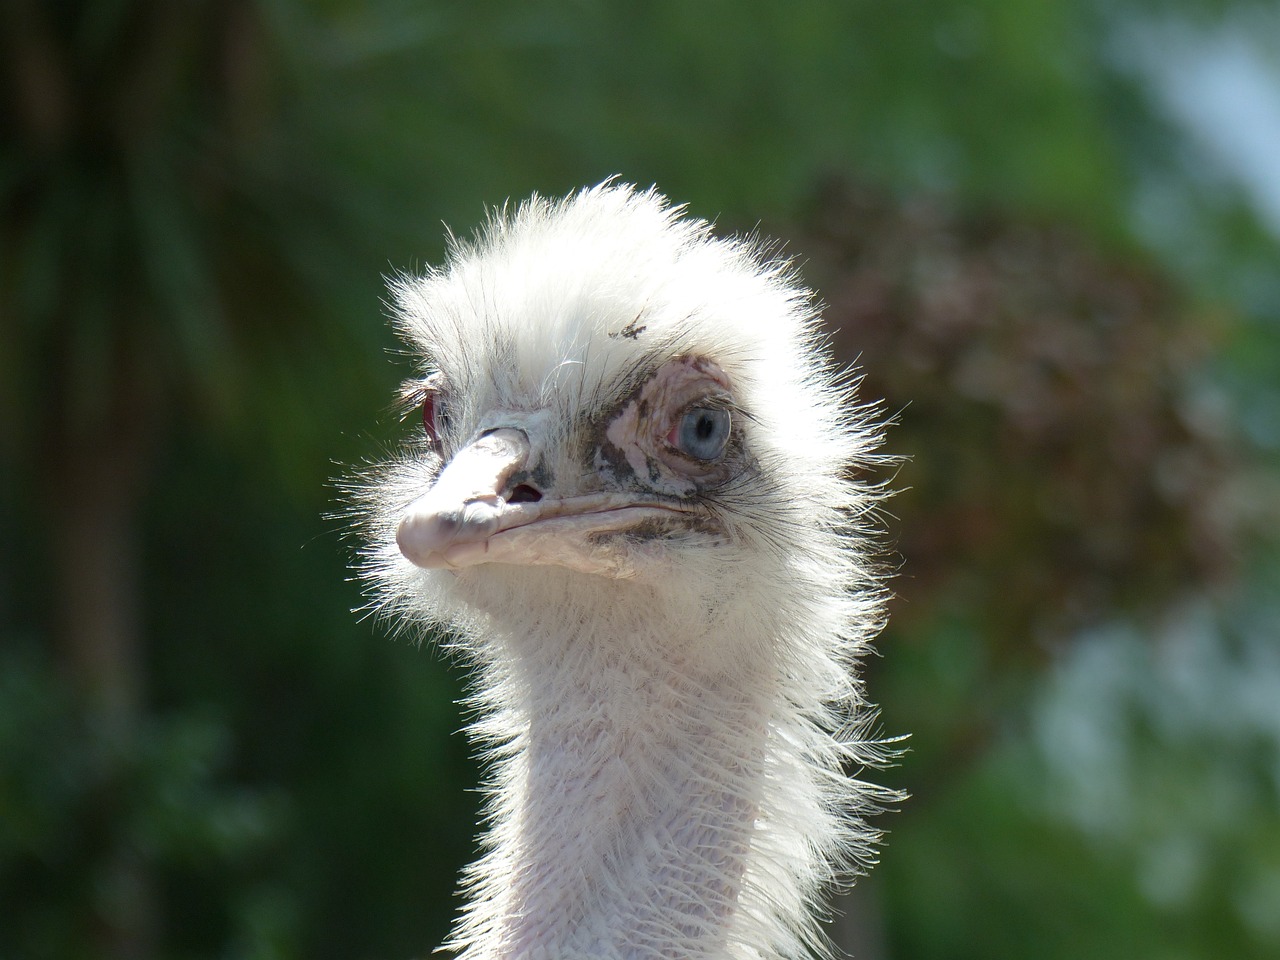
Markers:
1066,462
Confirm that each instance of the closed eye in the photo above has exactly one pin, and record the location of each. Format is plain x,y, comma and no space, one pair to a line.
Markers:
435,415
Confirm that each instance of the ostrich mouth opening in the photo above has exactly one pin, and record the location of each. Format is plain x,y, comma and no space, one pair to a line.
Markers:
609,535
466,519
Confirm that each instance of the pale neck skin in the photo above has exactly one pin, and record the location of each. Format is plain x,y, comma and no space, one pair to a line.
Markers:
626,805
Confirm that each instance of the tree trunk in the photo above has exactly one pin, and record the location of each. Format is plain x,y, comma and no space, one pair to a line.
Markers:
95,483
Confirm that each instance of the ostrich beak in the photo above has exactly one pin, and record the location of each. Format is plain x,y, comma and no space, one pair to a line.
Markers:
464,519
464,505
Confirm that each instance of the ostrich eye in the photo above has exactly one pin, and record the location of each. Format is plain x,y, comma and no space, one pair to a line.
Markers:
702,432
435,416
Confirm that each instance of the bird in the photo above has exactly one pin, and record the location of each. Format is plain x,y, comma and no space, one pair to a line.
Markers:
643,508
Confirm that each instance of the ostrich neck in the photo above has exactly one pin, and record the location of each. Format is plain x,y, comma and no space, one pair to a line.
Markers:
625,806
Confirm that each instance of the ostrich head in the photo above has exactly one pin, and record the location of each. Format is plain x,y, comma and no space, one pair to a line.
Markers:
634,506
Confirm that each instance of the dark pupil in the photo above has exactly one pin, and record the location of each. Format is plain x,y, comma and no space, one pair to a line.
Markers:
706,426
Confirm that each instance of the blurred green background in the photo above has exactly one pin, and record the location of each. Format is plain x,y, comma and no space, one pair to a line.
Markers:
1046,229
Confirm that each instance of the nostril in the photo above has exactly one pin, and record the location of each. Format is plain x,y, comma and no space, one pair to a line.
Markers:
523,493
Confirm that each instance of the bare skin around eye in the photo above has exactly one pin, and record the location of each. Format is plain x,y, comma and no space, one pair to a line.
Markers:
640,428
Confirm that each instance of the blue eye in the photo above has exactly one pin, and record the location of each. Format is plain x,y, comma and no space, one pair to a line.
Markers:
702,432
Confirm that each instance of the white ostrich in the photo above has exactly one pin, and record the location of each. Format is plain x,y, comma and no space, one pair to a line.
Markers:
634,509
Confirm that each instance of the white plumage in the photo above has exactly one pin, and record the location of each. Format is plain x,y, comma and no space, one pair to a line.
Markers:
635,509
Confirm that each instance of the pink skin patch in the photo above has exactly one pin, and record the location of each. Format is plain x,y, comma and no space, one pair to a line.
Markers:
642,431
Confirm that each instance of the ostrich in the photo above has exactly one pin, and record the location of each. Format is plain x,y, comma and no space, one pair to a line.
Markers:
634,508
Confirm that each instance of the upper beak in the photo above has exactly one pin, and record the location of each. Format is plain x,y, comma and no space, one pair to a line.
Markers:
464,519
464,505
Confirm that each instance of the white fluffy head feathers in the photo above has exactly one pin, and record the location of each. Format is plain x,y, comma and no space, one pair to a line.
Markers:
638,503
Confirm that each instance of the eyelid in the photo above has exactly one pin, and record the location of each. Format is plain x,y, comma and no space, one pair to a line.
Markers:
716,401
413,392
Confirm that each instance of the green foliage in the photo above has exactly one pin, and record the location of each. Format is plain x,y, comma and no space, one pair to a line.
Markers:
359,731
1134,817
197,204
70,791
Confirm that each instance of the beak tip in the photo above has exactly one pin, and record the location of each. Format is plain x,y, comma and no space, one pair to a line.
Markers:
464,505
425,535
420,536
